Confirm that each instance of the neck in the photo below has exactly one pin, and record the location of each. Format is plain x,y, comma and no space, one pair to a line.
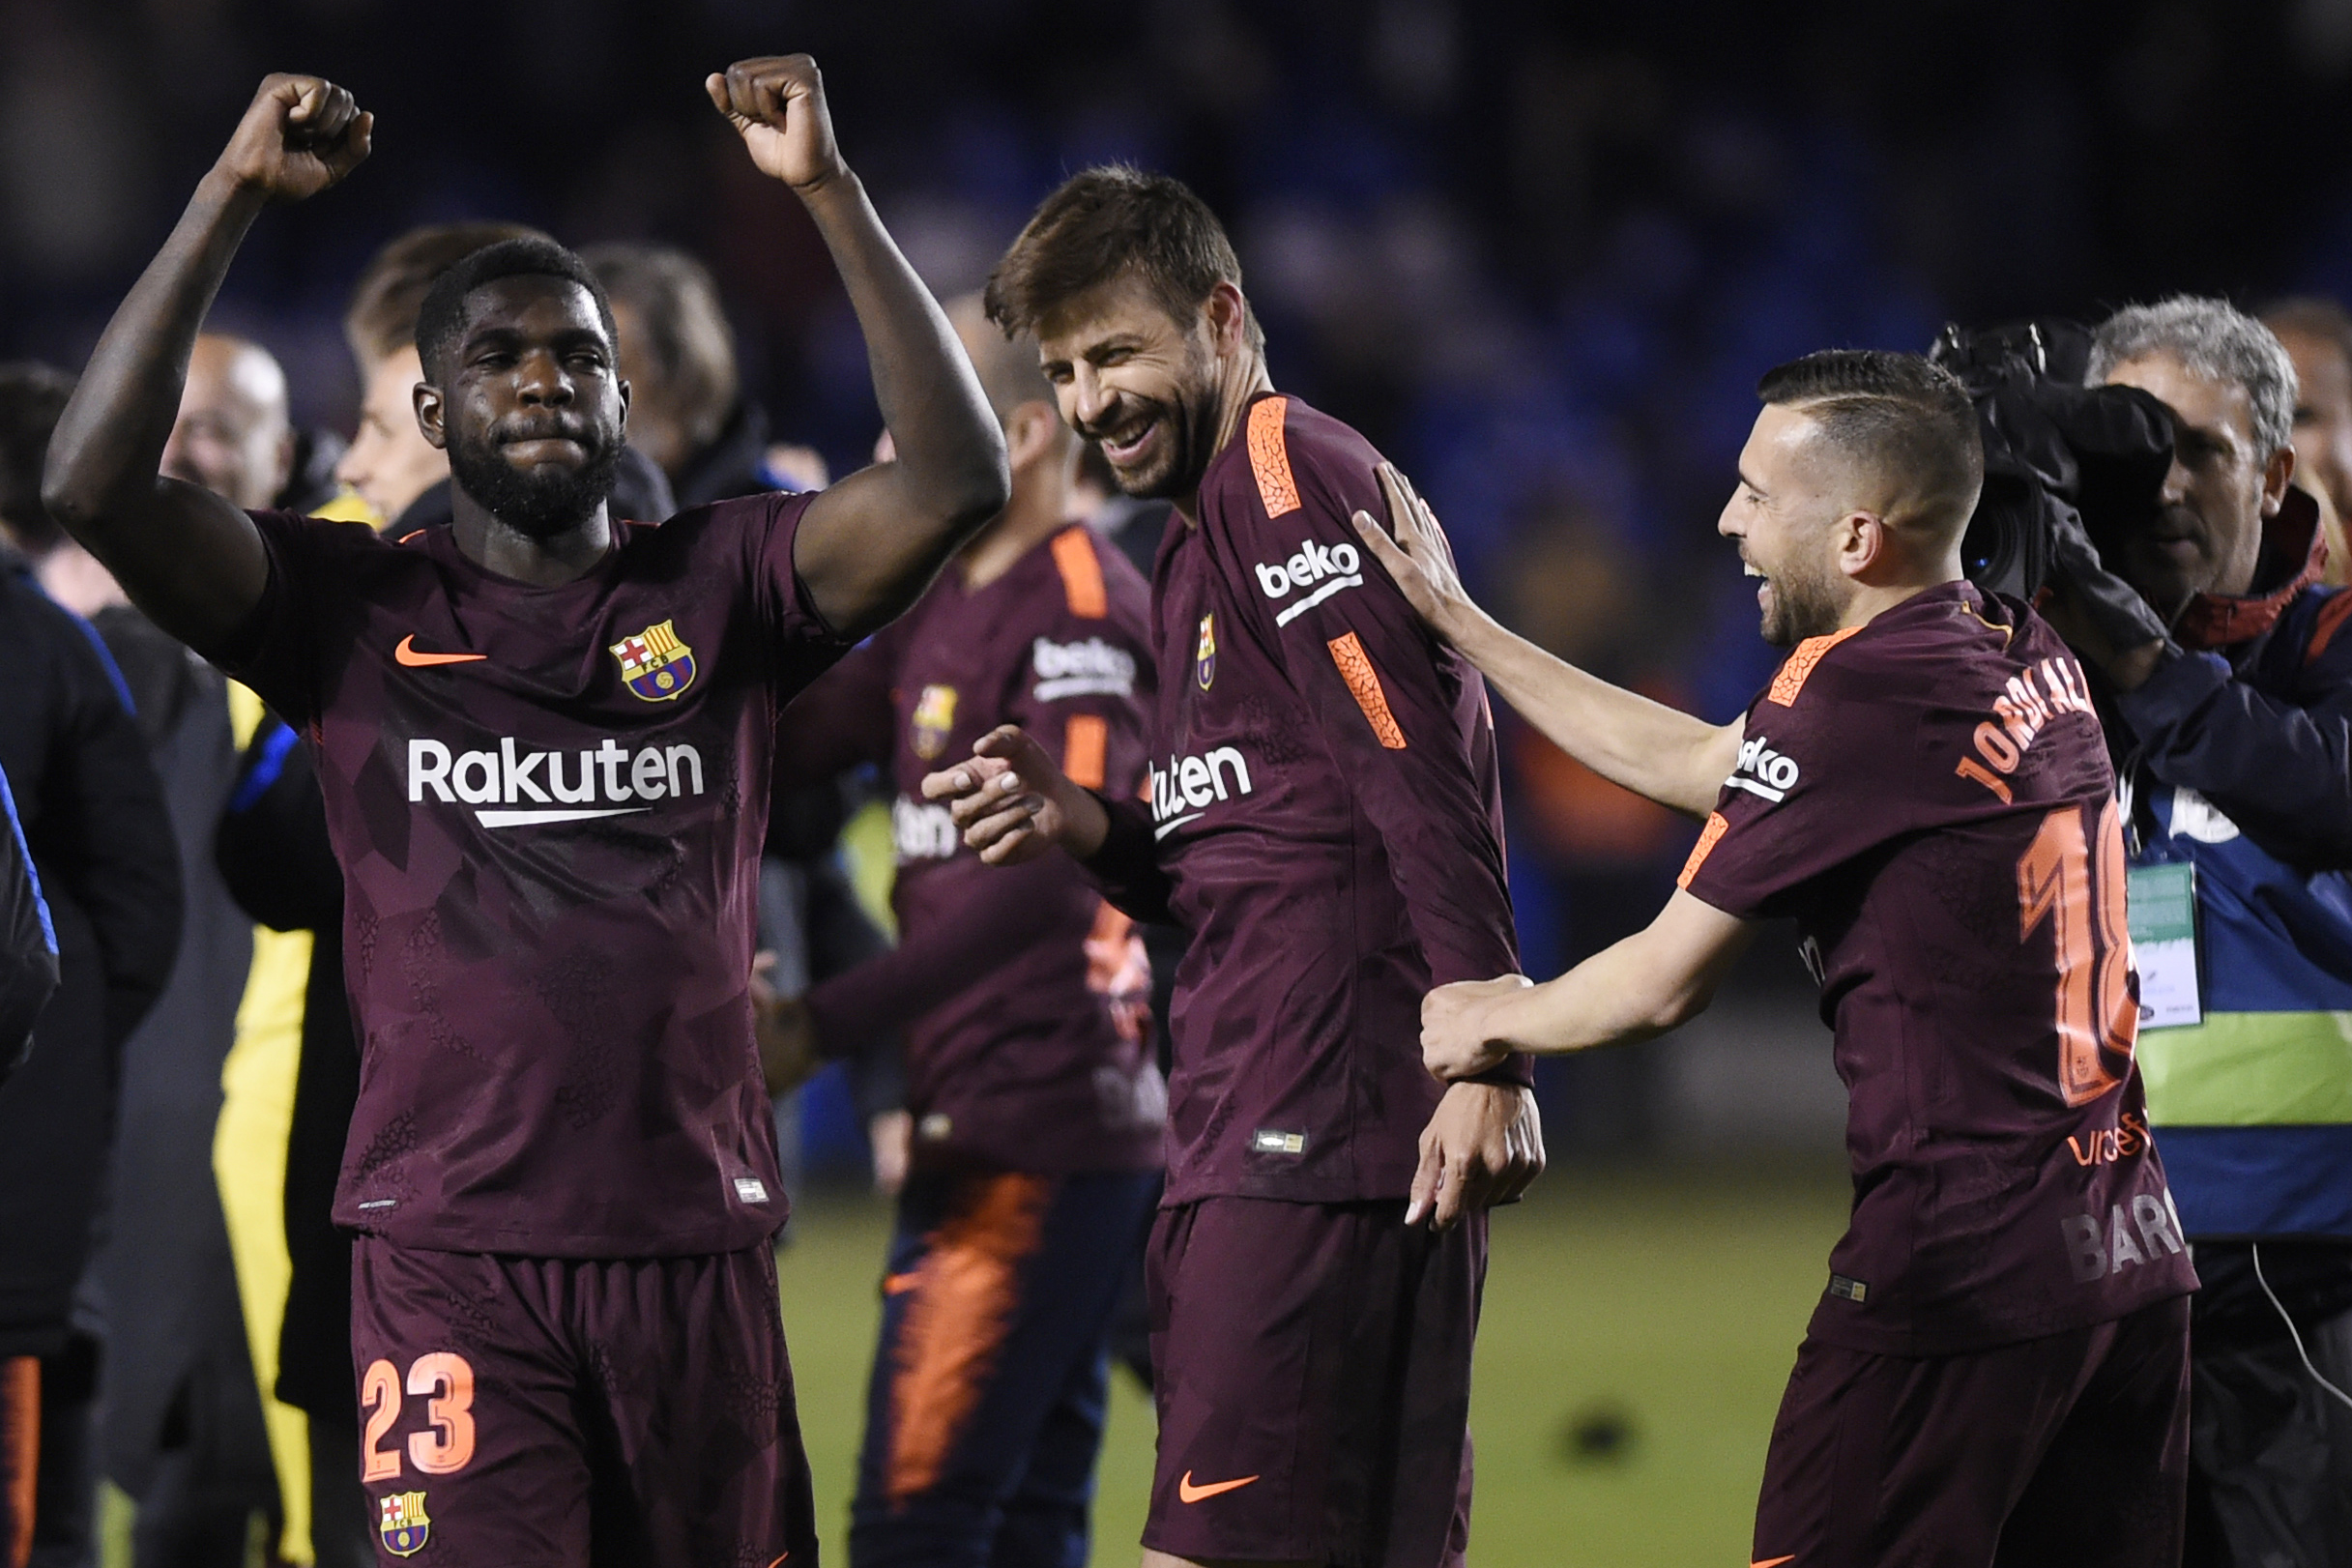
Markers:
1871,600
506,550
1034,514
1243,378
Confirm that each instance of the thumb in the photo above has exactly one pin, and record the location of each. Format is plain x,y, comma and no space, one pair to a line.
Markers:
715,86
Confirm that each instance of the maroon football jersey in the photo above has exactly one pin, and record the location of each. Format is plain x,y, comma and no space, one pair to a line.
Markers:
1929,796
1025,997
548,804
1324,816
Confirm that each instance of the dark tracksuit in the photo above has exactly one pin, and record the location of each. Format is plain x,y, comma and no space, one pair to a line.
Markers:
95,819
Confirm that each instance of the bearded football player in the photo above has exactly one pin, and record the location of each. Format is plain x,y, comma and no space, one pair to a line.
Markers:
1998,1372
1322,817
544,738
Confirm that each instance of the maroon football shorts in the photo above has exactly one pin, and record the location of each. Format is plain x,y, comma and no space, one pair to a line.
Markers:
530,1412
1313,1363
2070,1449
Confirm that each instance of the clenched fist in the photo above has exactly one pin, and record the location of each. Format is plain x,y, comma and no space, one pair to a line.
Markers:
778,103
300,135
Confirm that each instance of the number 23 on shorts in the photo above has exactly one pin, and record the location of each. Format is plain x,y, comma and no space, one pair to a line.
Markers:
448,1445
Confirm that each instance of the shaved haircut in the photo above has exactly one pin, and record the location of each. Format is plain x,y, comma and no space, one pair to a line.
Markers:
1898,418
1008,366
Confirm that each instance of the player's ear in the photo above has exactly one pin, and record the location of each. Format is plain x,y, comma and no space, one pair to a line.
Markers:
624,397
430,406
1034,431
1863,540
1226,314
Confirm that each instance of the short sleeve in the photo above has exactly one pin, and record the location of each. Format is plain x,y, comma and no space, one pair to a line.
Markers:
803,646
277,651
1810,793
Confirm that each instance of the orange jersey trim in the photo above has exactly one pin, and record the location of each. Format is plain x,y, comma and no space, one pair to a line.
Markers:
1364,684
1800,666
1270,457
1085,742
1708,837
21,1465
964,1292
2325,625
1080,573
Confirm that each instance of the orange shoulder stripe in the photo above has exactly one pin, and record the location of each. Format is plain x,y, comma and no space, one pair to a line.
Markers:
1708,837
1792,677
1081,572
1364,684
1270,457
2329,619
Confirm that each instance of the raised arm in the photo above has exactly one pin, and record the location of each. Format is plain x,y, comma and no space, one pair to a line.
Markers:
1654,750
189,559
869,546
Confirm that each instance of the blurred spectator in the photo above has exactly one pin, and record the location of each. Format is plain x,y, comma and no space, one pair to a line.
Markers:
2317,335
95,819
182,1429
685,409
2230,743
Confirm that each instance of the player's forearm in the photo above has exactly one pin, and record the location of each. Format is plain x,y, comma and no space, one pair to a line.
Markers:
1618,995
951,461
107,449
1654,750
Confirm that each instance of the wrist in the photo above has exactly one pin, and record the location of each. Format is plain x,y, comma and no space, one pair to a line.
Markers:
230,192
830,188
1085,822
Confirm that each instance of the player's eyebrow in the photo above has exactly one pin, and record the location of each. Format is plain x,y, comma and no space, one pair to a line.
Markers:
1750,482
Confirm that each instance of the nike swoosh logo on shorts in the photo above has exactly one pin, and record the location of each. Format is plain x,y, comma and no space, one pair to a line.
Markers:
1193,1493
1774,1563
408,653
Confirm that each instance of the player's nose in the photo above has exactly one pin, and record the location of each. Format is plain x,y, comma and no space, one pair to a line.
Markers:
1089,399
541,378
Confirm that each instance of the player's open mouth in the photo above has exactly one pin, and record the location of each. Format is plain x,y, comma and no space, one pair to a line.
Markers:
1123,450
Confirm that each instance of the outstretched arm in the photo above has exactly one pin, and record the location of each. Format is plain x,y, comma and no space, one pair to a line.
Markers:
190,560
869,546
1654,750
1648,983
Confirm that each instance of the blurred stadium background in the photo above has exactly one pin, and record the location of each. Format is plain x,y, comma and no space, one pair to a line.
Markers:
1538,252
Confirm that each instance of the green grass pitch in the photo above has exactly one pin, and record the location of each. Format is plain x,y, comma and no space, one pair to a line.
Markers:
1637,1328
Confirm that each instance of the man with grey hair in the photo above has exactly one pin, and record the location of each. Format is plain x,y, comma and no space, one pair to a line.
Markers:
2233,741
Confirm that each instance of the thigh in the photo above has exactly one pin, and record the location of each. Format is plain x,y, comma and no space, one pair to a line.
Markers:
2111,1489
1313,1382
695,1443
469,1437
1902,1462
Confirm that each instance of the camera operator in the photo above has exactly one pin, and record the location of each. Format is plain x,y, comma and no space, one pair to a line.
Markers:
2233,741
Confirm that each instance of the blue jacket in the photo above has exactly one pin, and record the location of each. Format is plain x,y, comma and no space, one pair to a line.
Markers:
2238,760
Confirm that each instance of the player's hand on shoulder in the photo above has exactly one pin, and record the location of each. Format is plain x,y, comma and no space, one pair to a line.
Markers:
298,136
1457,1029
1418,557
1012,801
1484,1146
776,102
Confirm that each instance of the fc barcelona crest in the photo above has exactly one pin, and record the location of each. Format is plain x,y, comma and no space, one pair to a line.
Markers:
403,1528
655,664
934,720
1205,658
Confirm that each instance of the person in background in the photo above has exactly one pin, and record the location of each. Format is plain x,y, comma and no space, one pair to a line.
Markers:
2230,719
1036,1099
95,819
2318,336
181,1427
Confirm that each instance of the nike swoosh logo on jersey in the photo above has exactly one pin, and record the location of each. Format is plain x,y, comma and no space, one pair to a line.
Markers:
1193,1493
1167,828
1774,1563
409,654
